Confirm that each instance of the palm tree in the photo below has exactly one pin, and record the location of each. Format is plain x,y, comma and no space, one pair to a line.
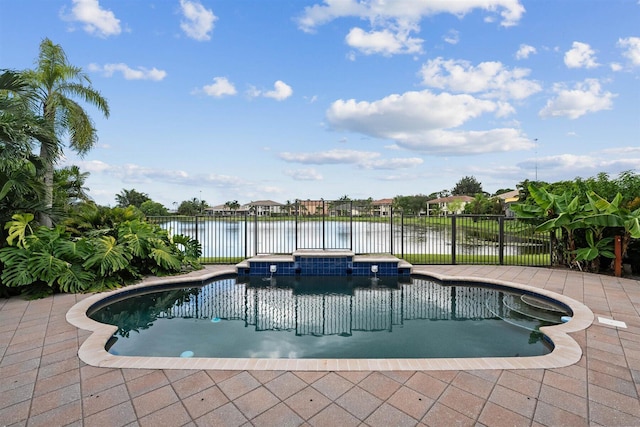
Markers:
69,187
20,188
54,83
19,126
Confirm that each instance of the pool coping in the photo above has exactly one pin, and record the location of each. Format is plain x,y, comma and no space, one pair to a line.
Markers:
566,350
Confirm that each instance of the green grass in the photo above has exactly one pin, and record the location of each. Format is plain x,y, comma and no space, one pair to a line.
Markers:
417,259
221,260
537,259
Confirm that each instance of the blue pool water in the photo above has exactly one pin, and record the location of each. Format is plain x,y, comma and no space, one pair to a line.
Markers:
329,317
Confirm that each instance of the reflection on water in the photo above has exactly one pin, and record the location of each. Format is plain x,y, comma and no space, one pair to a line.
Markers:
326,317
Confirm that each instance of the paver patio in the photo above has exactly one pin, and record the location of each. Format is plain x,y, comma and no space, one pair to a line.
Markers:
43,382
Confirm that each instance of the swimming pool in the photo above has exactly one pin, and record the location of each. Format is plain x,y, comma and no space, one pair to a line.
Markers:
330,317
565,352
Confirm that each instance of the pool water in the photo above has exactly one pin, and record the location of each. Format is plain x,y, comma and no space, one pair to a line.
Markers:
329,317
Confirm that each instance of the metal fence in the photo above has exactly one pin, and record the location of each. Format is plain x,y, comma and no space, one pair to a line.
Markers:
364,229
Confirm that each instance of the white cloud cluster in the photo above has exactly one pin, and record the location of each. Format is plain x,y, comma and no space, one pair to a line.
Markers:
134,174
392,22
524,51
96,20
139,73
384,42
362,159
423,121
491,79
198,20
585,97
220,87
309,174
631,45
452,37
580,56
555,167
280,92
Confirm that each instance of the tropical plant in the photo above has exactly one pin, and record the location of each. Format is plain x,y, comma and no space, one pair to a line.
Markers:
151,208
233,205
467,186
69,188
131,197
43,260
20,186
551,213
54,84
192,207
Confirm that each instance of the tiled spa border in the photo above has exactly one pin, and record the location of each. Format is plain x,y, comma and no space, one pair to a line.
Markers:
566,350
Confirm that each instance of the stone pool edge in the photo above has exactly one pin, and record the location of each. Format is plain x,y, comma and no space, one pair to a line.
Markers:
566,351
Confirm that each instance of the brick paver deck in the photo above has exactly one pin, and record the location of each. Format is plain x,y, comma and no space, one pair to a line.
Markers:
43,382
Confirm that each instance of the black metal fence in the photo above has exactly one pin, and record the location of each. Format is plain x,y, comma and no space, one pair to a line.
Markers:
229,237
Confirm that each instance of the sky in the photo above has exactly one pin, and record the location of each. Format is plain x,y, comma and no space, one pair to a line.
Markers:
247,100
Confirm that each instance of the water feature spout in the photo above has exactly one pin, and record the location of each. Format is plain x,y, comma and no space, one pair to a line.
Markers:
374,270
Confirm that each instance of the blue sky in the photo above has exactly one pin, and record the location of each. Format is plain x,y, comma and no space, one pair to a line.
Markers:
249,100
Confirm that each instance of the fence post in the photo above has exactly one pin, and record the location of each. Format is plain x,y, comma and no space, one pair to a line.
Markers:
197,236
351,225
324,213
255,233
453,239
246,236
391,229
501,240
295,233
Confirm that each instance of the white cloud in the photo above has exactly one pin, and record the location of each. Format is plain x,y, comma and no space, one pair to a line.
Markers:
281,91
96,20
444,142
418,121
392,164
585,97
524,51
219,88
362,159
555,167
580,56
134,174
304,174
632,52
198,21
491,79
139,73
383,42
392,22
452,37
615,66
404,10
330,157
622,150
410,112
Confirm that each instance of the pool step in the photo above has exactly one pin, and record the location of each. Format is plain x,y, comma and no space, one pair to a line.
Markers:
324,263
520,312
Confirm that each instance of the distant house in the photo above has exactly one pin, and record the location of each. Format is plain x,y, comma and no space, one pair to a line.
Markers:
507,199
308,207
450,205
224,210
382,207
264,208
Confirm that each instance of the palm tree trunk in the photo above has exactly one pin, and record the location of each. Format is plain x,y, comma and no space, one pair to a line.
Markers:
47,161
